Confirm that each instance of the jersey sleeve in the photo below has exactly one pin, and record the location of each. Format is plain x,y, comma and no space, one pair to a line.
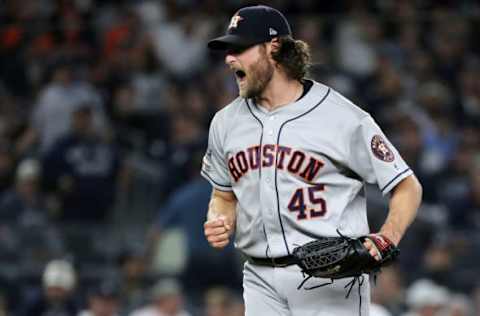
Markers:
374,158
214,167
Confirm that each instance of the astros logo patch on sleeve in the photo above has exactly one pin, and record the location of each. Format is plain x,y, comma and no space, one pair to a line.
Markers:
381,150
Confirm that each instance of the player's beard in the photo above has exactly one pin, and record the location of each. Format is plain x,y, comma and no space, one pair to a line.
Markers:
259,75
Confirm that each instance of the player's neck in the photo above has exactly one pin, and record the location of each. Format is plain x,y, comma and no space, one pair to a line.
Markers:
279,92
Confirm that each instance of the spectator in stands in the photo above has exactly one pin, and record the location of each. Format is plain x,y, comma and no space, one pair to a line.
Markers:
57,298
217,302
454,187
133,279
425,298
103,300
434,116
440,260
384,89
187,139
25,204
82,168
196,104
185,54
135,127
147,78
472,210
166,299
449,44
51,117
220,301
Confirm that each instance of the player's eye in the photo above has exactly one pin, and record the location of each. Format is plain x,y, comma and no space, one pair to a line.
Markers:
235,50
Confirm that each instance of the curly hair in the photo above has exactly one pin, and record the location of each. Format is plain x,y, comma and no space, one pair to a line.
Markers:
294,56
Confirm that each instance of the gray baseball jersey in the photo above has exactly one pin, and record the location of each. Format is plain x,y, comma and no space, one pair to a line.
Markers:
298,171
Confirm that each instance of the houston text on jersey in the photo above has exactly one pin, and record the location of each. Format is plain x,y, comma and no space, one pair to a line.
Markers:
294,160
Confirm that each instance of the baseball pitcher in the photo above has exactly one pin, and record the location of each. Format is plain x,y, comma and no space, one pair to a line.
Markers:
288,161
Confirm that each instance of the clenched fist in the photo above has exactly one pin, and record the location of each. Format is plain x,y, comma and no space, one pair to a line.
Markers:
218,232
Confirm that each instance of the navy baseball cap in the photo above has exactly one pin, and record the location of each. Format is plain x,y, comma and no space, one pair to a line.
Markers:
250,26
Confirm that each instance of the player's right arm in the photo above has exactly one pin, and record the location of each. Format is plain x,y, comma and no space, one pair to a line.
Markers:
222,207
221,218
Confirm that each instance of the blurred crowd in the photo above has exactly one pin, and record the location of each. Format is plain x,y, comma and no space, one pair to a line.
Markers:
104,114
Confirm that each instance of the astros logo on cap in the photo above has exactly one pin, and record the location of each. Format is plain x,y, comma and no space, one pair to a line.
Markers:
234,21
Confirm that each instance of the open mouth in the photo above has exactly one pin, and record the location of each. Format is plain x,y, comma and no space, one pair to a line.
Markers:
240,74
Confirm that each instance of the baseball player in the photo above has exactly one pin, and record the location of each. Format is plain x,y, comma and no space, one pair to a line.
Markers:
288,161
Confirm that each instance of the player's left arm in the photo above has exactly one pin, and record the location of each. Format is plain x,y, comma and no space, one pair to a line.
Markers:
404,202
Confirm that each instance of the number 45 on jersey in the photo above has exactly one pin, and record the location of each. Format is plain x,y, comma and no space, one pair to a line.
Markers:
307,203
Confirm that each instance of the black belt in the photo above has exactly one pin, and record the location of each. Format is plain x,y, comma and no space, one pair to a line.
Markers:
272,262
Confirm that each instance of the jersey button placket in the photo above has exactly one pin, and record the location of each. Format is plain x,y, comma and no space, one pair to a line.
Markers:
267,192
270,129
267,199
269,213
269,205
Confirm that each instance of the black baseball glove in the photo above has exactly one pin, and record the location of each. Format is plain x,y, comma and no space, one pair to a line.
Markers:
342,257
